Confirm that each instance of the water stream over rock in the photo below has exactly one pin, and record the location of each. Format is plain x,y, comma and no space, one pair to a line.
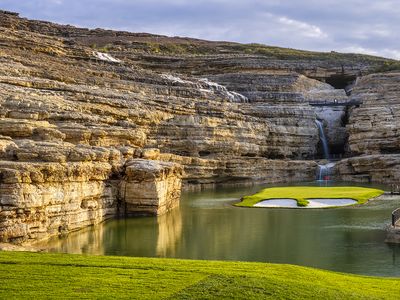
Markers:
323,139
324,171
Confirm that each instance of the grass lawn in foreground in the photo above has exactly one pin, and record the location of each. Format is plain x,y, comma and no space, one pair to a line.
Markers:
302,193
64,276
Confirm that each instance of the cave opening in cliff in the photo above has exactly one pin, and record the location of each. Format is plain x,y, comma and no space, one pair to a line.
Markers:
340,81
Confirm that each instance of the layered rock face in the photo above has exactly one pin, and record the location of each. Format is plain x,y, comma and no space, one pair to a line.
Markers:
78,107
151,187
43,199
373,127
374,137
334,121
379,168
62,97
274,122
334,118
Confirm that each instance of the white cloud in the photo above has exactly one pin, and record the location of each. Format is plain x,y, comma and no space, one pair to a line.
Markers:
358,49
390,53
303,28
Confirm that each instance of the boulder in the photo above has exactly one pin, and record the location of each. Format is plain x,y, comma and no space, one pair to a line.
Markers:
151,187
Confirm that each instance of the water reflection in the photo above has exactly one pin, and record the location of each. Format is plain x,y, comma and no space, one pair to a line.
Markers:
207,226
146,236
88,240
169,233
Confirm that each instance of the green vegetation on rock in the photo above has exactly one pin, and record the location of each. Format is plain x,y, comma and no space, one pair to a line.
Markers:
387,67
61,276
182,46
302,193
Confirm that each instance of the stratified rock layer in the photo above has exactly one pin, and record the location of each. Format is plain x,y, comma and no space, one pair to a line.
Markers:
374,137
78,107
379,168
151,187
43,199
374,126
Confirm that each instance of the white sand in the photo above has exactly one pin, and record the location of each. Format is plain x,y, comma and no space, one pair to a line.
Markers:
327,202
312,203
277,203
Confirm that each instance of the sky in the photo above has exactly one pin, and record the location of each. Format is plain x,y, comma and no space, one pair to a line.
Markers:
361,26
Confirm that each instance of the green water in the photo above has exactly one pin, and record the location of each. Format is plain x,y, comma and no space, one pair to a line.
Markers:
207,226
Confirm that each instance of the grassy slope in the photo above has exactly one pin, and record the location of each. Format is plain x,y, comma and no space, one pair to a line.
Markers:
125,43
180,46
301,193
41,276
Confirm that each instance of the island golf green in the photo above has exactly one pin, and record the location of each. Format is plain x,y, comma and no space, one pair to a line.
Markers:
304,193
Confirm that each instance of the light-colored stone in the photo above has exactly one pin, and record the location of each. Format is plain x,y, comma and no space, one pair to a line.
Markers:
374,140
72,124
382,168
56,204
151,187
373,127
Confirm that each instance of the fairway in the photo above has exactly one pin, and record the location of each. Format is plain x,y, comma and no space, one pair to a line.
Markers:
63,276
303,193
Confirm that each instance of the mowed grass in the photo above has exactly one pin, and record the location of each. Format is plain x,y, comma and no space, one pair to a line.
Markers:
63,276
302,193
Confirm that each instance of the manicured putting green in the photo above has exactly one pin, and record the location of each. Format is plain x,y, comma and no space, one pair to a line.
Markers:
302,193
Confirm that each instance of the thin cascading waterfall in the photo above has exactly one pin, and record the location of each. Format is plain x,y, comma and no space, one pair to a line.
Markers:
323,139
324,171
321,172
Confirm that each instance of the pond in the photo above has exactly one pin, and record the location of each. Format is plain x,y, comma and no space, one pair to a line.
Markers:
207,226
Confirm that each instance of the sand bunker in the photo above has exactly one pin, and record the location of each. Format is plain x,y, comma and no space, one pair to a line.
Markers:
277,203
312,203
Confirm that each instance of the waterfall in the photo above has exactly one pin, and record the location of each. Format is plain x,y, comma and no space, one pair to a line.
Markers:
324,171
322,137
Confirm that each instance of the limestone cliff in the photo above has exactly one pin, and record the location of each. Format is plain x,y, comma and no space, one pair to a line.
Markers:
79,107
374,137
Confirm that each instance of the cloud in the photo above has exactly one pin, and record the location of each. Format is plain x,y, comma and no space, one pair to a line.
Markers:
390,53
366,26
303,28
383,52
